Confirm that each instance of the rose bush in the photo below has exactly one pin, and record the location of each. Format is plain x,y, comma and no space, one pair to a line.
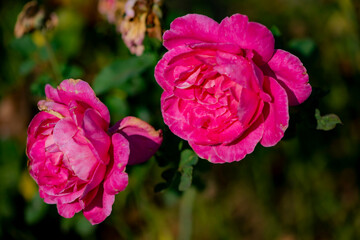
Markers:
225,86
76,161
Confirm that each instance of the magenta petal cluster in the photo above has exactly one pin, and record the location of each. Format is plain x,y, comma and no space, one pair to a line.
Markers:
225,86
77,162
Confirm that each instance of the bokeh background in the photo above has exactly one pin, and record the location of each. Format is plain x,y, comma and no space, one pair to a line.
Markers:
306,187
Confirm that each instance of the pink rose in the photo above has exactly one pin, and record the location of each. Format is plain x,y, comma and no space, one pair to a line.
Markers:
225,86
77,163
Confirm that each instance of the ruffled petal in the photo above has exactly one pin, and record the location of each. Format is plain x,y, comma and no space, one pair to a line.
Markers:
250,107
173,117
75,147
94,130
60,198
238,149
235,151
36,154
117,179
231,48
248,35
100,207
190,29
166,72
291,74
68,210
240,70
79,90
57,109
276,114
39,125
96,179
52,94
76,111
203,136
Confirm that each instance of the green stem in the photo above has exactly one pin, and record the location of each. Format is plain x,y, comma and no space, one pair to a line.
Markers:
53,62
185,218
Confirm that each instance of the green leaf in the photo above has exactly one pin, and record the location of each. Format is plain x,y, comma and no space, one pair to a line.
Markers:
186,178
120,71
326,122
188,158
187,161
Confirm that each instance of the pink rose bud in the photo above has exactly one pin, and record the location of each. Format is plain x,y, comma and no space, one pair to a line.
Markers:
76,162
143,139
225,86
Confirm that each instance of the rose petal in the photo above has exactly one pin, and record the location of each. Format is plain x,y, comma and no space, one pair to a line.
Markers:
190,29
117,179
291,74
64,131
96,179
276,114
53,177
100,207
60,198
36,154
57,109
250,107
173,117
40,123
248,35
117,182
186,94
68,210
79,90
203,136
216,46
52,94
144,140
94,130
76,111
75,147
167,69
240,70
235,151
186,79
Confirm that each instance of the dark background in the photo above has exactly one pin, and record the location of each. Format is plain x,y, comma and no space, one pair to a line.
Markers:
306,187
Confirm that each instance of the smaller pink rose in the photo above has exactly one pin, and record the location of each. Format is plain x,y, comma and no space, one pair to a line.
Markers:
77,163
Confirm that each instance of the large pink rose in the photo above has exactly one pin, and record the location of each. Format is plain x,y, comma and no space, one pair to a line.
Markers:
77,163
225,86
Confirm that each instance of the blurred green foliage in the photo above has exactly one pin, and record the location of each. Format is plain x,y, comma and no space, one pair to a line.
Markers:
188,159
326,122
306,187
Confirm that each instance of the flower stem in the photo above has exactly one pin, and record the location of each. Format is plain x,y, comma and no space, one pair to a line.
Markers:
53,62
185,215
